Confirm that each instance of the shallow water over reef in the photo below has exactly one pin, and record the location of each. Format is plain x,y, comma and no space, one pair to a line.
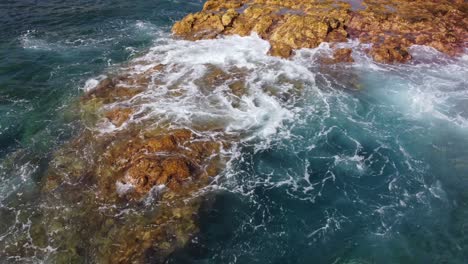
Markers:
346,163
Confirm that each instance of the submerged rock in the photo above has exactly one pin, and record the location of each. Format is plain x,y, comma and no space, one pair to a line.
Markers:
288,25
119,116
126,191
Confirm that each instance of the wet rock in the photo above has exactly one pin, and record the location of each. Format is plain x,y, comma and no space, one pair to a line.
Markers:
206,25
280,50
404,23
286,25
110,91
119,116
125,195
390,54
84,177
238,88
290,25
228,17
172,158
342,55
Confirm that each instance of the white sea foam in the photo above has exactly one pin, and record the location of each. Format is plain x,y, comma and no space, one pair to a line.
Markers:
93,83
29,41
15,178
116,32
124,188
254,113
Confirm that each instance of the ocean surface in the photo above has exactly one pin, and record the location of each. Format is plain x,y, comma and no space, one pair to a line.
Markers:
357,163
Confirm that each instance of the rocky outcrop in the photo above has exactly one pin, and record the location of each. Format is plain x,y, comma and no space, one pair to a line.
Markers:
130,195
392,26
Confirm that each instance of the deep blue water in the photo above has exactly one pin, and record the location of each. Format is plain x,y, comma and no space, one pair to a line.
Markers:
368,164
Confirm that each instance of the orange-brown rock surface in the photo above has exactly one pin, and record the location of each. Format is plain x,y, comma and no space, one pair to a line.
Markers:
119,116
392,26
86,175
341,55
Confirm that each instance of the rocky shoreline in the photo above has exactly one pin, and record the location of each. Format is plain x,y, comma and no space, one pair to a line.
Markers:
133,194
391,26
155,171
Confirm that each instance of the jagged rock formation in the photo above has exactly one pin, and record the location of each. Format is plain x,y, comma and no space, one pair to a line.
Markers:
392,26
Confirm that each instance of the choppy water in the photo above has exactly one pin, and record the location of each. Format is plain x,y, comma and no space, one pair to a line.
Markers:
361,163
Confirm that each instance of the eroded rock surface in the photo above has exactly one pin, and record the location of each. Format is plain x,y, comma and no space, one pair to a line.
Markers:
392,26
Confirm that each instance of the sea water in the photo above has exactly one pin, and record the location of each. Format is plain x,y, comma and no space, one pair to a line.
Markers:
354,163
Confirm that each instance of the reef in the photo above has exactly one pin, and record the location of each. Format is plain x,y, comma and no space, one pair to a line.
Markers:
390,26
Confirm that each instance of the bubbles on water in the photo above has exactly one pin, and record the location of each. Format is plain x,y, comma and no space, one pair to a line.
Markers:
332,223
29,41
113,34
92,83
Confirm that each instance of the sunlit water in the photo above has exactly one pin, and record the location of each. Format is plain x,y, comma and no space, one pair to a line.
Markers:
358,163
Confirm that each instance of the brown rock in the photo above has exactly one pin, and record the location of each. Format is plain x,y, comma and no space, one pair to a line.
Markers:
119,116
228,17
147,171
296,24
343,55
144,174
279,49
199,26
390,54
162,143
238,88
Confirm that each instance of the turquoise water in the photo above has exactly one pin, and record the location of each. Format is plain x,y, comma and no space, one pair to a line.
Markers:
361,163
